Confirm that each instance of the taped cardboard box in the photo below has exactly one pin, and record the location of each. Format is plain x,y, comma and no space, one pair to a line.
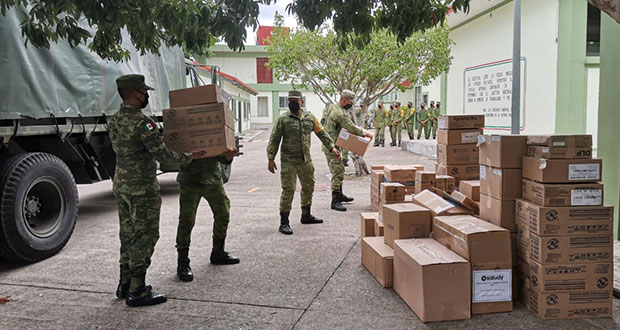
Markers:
432,280
487,248
576,140
560,152
459,172
461,122
502,151
562,170
197,117
445,182
498,212
392,191
550,194
500,183
471,189
214,141
466,201
405,220
195,95
355,144
457,154
461,136
378,259
368,223
424,180
569,220
570,305
400,172
438,205
571,277
571,249
523,243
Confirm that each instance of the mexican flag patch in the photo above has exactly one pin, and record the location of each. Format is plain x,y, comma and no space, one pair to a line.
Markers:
149,127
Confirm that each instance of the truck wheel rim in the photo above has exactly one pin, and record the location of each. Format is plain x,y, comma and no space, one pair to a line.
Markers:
44,207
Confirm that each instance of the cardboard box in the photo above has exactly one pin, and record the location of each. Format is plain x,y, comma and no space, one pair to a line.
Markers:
376,167
355,144
434,281
376,178
549,194
570,305
195,95
461,136
571,278
392,191
560,140
460,122
379,228
502,151
445,182
560,152
424,180
500,183
400,172
571,249
525,295
438,205
197,117
513,248
487,248
457,154
378,258
498,212
368,223
459,172
568,220
471,189
523,243
562,170
214,141
405,220
468,202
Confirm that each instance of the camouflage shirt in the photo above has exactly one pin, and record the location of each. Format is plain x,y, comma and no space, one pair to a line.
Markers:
410,115
138,144
204,171
337,120
294,131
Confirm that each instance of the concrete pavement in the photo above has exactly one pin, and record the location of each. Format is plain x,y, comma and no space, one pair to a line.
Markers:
310,280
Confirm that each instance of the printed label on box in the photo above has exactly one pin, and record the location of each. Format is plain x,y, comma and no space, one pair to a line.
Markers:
497,172
584,172
471,137
483,173
495,138
491,285
584,197
344,135
558,144
481,139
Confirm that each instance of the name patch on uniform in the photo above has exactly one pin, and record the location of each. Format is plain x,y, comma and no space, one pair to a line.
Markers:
149,127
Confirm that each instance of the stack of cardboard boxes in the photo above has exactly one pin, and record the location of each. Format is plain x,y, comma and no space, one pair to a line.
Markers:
565,244
403,174
457,152
376,178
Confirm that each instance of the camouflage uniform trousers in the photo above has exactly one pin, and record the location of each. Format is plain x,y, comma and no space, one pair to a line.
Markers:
427,130
393,132
379,133
336,167
410,131
398,131
189,199
434,125
139,230
291,170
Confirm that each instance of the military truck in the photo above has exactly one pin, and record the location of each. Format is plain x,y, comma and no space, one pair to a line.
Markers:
54,107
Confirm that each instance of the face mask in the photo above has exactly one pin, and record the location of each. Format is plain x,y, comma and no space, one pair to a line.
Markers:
348,106
293,106
146,100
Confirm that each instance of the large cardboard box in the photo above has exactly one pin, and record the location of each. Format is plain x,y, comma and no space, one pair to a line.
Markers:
392,191
487,247
376,167
197,117
570,305
424,180
461,122
502,151
560,140
563,194
445,182
471,189
571,277
400,172
500,183
459,172
523,243
562,170
438,205
213,141
468,202
406,220
195,95
368,223
378,258
434,281
560,152
355,144
571,249
457,154
568,220
498,212
460,136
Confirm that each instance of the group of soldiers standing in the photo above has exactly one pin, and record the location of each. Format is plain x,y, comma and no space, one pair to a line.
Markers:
397,117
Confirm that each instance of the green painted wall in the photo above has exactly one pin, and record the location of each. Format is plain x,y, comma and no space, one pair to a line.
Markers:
608,114
571,97
275,105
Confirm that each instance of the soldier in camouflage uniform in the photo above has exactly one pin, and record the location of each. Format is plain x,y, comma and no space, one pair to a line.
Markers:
360,116
379,121
335,121
202,178
398,117
138,144
433,116
424,122
435,119
294,128
410,120
390,120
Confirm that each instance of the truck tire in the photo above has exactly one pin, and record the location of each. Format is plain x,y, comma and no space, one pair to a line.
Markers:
38,206
226,169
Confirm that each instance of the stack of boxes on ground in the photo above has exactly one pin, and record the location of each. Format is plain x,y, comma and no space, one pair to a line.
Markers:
457,150
565,245
199,119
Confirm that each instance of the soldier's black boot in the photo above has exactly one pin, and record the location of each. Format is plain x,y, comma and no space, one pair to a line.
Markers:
141,294
399,143
377,143
219,256
336,204
123,284
307,217
344,198
184,271
285,228
383,143
345,162
393,143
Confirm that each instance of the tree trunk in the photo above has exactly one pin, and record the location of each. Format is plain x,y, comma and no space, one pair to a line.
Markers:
611,7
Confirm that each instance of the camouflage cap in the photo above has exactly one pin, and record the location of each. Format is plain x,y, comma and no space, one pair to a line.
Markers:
294,95
349,95
132,80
